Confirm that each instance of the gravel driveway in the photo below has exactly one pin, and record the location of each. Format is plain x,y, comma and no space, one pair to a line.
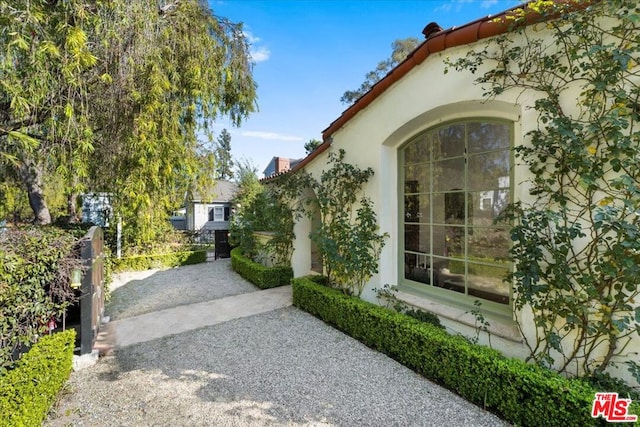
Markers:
281,368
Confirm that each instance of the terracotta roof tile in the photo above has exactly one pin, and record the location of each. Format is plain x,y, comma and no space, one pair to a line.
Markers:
437,41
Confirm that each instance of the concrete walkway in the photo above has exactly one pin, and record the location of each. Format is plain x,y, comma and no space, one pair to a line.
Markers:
151,326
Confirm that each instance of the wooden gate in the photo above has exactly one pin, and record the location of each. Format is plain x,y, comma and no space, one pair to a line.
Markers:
92,288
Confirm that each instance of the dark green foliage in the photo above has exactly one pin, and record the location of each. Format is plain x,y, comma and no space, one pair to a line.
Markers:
28,391
272,208
145,262
35,266
523,394
575,240
401,48
424,316
224,162
347,238
261,276
603,381
387,293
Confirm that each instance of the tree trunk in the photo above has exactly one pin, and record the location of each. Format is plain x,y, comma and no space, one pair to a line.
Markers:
72,208
31,175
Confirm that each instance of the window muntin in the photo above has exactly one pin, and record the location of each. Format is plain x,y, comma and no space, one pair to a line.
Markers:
457,181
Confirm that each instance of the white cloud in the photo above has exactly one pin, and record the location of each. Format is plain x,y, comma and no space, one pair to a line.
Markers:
250,37
486,4
270,136
260,54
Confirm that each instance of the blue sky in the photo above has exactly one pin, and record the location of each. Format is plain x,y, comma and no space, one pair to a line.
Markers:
307,53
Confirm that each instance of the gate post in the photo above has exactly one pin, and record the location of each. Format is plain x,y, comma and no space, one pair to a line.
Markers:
92,293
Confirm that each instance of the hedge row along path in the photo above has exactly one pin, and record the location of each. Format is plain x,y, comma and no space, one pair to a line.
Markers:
200,346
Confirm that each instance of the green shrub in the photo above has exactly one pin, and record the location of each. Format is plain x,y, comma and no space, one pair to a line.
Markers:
35,268
520,393
145,262
28,391
261,276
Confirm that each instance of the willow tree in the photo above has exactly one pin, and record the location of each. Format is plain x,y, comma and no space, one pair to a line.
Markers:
113,96
44,57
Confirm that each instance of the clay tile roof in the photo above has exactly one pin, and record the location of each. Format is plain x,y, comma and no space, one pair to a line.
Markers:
437,40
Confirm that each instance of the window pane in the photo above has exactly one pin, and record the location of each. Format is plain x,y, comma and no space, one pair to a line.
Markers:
489,244
488,136
218,213
486,282
416,267
448,175
457,183
416,208
448,241
416,179
449,274
447,141
417,151
417,238
487,206
489,171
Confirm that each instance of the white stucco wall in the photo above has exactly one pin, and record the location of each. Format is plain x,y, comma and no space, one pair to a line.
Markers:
421,100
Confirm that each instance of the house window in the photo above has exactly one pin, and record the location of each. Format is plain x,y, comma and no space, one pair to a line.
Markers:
216,213
457,181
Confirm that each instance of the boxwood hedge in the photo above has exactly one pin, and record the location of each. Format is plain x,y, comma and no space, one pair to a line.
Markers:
521,393
261,276
28,390
145,262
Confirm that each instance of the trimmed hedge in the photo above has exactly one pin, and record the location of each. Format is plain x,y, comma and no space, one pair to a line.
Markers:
521,393
145,262
261,276
28,391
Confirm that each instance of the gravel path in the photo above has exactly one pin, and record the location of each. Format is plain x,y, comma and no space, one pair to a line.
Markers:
153,290
281,368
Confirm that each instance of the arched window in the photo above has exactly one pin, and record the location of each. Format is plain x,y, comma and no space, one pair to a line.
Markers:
457,180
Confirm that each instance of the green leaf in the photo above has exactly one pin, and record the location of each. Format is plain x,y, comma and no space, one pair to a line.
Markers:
28,141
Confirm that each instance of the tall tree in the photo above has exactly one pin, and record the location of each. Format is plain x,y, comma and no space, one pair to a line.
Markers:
400,49
224,162
310,146
112,95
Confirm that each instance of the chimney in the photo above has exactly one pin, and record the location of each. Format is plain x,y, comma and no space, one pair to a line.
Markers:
282,164
431,29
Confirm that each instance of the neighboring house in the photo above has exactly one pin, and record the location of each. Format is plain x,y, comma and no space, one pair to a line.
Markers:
178,219
96,209
212,214
279,165
434,141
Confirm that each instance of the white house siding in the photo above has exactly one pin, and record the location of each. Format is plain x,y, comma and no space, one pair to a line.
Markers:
201,217
422,99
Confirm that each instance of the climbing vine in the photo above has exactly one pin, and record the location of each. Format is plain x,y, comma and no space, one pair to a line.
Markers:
347,238
576,243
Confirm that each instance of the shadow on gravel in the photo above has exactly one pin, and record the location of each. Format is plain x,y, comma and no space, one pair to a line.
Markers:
280,368
174,287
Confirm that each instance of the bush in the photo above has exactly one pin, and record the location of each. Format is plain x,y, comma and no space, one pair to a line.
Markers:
34,284
28,391
520,393
261,276
145,262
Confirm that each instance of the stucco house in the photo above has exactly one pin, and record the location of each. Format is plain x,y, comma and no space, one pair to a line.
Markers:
444,170
211,214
